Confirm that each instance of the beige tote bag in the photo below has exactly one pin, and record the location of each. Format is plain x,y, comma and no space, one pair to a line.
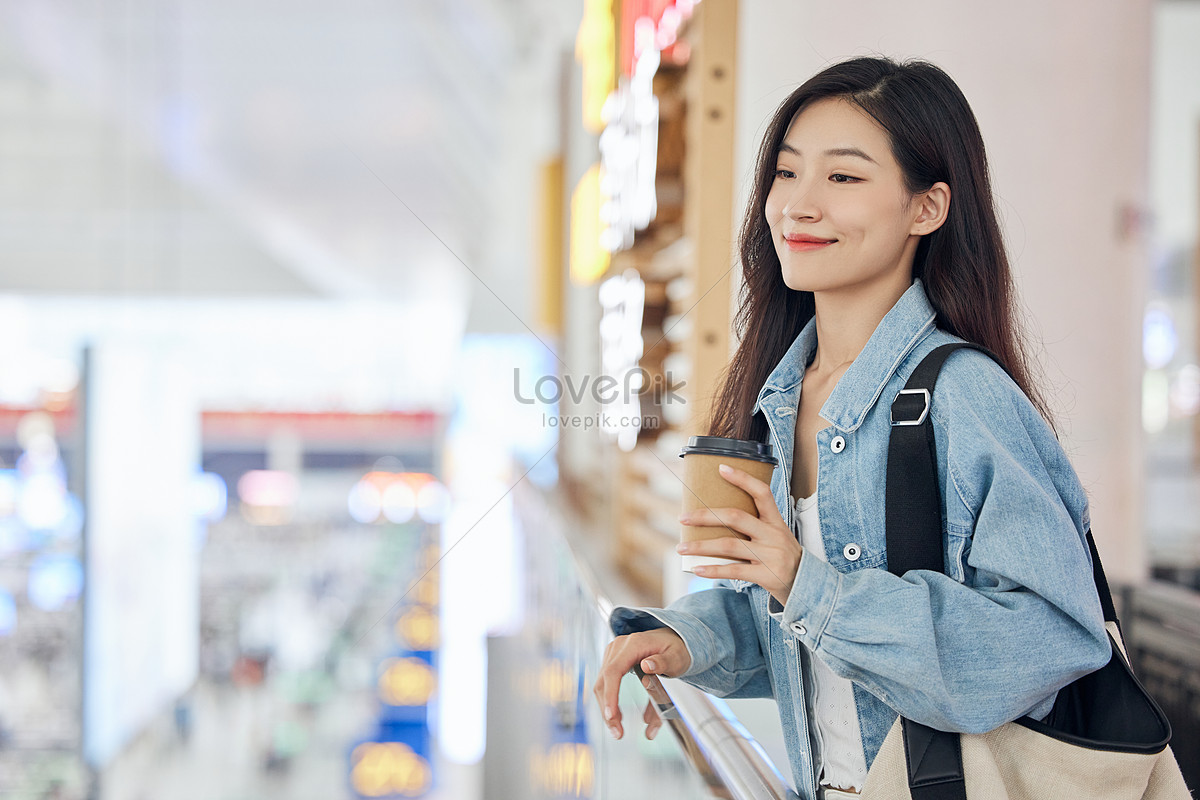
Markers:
1015,762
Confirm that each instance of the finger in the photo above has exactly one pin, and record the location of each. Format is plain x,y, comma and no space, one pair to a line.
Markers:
607,695
731,547
737,572
626,652
733,518
664,663
653,721
655,689
722,547
756,488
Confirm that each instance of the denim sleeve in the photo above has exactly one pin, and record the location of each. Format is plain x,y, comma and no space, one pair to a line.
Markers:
1024,622
718,628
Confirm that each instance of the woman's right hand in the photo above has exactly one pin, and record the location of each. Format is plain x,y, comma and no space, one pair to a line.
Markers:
660,651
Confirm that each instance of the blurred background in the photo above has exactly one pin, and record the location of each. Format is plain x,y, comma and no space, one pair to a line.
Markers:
309,483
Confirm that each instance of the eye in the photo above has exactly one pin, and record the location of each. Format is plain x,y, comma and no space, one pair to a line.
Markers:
834,177
784,173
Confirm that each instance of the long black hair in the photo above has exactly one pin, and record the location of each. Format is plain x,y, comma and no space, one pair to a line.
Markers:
963,264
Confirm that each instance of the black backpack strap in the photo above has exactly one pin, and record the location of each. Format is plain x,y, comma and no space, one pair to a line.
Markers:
913,498
1106,600
914,541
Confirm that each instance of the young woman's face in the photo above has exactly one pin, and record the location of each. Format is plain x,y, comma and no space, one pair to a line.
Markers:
836,182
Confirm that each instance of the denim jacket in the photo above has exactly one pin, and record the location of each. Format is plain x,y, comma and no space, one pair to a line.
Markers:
1014,618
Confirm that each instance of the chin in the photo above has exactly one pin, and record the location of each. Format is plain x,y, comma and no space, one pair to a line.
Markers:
802,283
793,284
792,278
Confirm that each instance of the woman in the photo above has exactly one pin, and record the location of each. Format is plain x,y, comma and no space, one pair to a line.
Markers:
870,239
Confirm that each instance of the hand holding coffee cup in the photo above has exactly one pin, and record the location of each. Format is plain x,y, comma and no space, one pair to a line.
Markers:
732,527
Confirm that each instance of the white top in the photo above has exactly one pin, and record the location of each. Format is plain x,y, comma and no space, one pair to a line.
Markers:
834,714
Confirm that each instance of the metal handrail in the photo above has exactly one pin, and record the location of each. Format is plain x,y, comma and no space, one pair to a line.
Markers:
729,760
716,743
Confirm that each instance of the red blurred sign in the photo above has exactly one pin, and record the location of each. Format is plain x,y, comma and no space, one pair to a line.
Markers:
650,23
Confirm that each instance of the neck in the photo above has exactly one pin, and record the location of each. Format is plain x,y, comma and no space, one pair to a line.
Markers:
846,318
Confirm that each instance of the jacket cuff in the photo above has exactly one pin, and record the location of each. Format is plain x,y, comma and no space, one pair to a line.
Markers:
810,603
702,649
774,608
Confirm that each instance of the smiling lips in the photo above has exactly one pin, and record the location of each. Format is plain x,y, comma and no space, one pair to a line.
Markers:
802,242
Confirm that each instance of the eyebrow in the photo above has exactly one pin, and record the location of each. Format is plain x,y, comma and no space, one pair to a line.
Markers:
836,151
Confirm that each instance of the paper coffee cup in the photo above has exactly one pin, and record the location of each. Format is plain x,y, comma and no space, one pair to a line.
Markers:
705,487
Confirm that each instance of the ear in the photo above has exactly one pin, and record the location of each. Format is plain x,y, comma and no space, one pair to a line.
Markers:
932,207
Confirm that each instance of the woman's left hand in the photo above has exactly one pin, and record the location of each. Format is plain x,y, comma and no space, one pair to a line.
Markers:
772,554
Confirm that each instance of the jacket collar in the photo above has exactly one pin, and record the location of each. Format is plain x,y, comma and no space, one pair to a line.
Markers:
909,320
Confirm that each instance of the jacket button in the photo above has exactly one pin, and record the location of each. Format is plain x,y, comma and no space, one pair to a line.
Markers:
837,444
851,552
799,629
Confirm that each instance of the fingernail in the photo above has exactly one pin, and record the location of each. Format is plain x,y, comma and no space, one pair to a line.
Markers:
646,683
616,734
681,548
651,734
684,517
725,469
648,664
608,713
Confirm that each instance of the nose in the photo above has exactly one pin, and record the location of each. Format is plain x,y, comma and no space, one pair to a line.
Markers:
799,202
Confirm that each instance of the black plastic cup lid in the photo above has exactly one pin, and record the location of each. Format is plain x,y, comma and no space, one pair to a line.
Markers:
734,448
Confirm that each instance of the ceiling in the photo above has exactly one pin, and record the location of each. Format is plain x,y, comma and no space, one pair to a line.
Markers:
381,149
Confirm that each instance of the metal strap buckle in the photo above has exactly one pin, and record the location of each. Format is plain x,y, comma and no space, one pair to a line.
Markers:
924,411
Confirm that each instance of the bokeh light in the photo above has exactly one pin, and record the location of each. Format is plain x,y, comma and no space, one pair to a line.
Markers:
70,527
1185,391
8,613
54,581
433,500
268,488
399,502
42,501
14,536
365,502
1159,337
210,497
